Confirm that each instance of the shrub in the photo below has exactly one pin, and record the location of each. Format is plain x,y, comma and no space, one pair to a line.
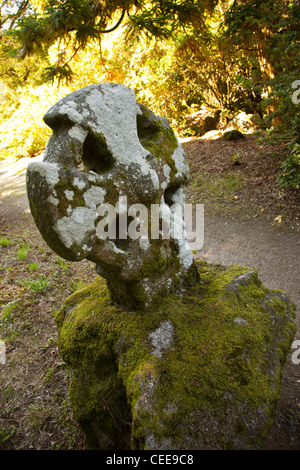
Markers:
289,174
24,134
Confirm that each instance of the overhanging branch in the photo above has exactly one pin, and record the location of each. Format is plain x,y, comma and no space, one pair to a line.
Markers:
116,25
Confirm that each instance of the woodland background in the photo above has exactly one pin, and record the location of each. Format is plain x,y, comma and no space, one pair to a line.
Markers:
181,57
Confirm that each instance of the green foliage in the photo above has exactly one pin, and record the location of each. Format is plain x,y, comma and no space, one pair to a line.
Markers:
177,77
33,267
24,133
75,23
287,111
5,241
39,285
33,33
267,31
61,72
23,252
289,174
72,23
7,310
15,72
163,19
180,57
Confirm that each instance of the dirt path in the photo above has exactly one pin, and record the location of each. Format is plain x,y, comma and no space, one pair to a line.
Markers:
273,250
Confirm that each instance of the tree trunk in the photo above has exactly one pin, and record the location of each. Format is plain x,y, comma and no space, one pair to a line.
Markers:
268,73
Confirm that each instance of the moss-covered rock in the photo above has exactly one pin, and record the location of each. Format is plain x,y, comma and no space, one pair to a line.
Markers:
232,135
196,371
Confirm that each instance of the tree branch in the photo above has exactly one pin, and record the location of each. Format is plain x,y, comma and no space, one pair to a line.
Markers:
116,25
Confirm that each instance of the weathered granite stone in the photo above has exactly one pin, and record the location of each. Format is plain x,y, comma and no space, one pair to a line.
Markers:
108,149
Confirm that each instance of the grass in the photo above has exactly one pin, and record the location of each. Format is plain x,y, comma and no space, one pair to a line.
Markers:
235,160
217,190
5,436
6,313
218,186
23,252
60,262
5,241
8,326
75,285
37,285
35,411
33,267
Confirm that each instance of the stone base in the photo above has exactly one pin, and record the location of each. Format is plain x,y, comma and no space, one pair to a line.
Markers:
196,371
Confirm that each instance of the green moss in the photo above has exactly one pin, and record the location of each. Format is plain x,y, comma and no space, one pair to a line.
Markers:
129,293
157,139
157,263
220,360
112,191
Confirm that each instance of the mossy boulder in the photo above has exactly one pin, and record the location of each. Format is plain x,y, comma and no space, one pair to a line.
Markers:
203,121
199,370
232,135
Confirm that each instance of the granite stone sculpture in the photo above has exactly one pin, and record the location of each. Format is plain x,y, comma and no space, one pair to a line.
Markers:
108,150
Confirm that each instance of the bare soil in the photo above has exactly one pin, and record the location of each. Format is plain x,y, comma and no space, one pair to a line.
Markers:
249,220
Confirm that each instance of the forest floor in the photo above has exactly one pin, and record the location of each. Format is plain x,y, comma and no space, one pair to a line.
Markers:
249,221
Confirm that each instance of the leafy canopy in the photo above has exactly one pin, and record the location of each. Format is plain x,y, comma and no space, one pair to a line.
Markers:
39,24
178,55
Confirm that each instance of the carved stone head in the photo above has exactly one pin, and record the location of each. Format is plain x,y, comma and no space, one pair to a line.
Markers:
107,150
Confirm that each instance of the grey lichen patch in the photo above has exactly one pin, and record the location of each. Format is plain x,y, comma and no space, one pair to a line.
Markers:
181,163
77,132
79,183
48,171
68,197
240,321
162,338
72,229
53,200
148,381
